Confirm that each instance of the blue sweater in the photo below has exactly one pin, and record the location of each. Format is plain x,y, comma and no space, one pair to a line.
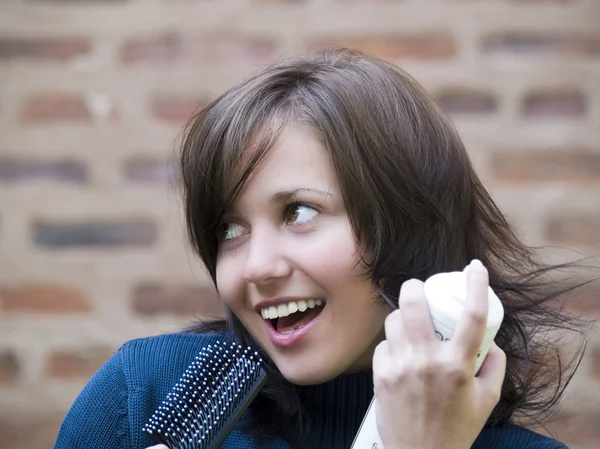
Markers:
119,399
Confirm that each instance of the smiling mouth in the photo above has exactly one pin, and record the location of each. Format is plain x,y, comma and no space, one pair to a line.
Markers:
291,316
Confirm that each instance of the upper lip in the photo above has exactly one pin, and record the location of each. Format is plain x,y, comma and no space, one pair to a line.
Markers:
283,300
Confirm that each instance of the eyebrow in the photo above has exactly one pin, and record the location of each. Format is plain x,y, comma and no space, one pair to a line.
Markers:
286,195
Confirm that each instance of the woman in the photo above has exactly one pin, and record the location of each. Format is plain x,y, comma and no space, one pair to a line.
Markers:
315,192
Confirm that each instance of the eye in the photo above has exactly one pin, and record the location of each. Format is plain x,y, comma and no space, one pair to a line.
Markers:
298,214
230,231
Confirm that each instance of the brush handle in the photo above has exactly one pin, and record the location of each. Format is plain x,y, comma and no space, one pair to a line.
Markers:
236,413
368,435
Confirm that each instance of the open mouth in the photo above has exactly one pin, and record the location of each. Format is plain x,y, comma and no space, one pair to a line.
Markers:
288,317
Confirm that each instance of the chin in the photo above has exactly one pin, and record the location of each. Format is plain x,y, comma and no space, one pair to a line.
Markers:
305,379
305,374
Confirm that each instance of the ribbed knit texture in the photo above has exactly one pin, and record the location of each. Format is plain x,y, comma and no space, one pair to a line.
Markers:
115,404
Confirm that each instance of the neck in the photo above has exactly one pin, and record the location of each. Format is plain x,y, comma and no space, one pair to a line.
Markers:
336,408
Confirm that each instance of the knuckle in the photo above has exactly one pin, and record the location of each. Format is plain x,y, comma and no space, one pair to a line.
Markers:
425,367
456,373
380,350
477,317
410,305
388,378
395,315
393,318
428,370
411,301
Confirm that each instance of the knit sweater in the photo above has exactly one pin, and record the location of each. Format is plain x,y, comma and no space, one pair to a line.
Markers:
120,398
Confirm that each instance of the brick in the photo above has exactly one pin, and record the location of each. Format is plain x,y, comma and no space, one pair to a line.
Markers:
95,234
423,46
175,109
151,171
10,368
154,299
9,432
76,364
14,170
565,103
47,49
196,50
51,107
459,101
574,229
577,166
567,45
44,298
78,1
33,430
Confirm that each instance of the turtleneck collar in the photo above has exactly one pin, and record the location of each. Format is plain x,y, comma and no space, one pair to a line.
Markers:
337,408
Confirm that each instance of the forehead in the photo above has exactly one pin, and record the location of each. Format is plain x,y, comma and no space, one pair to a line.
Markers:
296,159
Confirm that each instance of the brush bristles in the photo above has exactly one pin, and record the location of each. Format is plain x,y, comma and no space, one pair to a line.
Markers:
208,398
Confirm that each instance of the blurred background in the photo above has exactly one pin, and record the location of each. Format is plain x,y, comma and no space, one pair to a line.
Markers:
93,94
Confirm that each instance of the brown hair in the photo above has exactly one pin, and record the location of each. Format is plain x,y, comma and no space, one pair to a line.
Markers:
411,194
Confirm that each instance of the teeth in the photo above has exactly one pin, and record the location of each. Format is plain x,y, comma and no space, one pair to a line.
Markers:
272,312
282,310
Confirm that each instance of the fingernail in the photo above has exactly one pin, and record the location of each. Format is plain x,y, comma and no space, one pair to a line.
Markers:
476,265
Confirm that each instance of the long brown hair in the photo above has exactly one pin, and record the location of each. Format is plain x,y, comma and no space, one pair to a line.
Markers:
413,199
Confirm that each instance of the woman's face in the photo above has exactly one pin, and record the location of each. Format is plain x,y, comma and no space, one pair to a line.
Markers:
288,266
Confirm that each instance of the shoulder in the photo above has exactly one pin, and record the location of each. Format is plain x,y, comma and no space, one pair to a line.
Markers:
145,355
151,367
512,436
120,397
160,359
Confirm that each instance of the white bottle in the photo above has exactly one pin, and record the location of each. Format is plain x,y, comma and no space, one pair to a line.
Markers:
445,294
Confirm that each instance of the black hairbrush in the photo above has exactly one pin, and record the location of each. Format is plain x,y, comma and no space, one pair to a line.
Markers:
209,399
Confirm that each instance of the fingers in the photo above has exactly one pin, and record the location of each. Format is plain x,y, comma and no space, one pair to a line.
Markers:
415,313
381,356
471,325
492,372
395,334
493,369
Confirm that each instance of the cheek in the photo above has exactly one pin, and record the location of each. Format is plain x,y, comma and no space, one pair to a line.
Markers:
228,281
334,257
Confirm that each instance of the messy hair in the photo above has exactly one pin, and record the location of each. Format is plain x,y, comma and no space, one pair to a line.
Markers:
413,199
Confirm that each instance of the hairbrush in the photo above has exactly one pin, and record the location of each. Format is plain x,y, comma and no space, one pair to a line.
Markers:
209,399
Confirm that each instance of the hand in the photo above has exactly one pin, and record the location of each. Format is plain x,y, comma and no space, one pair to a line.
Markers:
426,393
158,446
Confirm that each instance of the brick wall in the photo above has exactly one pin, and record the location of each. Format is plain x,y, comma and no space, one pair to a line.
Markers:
92,97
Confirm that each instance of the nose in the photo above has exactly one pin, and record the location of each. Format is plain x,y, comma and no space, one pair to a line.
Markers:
265,261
